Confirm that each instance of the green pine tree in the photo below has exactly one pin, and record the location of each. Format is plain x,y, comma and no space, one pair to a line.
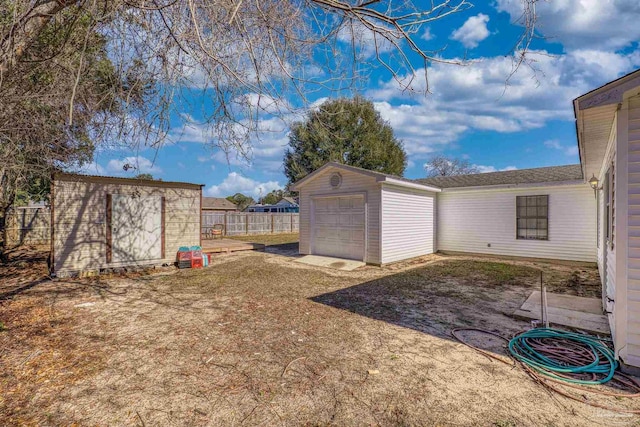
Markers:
347,131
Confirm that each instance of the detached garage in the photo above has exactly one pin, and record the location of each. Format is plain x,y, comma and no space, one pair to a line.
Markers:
106,222
353,213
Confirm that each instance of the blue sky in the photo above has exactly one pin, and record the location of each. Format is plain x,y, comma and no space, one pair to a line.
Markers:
469,112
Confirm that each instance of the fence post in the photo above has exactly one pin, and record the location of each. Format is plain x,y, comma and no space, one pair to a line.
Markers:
246,223
225,223
272,219
291,221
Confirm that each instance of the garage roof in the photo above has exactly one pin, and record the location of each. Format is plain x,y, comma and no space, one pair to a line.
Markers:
379,176
553,174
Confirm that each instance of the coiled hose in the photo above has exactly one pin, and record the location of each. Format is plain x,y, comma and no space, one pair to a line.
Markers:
566,356
553,357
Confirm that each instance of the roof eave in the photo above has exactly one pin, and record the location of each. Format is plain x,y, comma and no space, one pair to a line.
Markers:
578,115
510,186
413,185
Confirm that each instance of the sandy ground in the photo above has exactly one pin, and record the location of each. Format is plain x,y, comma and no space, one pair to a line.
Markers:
257,339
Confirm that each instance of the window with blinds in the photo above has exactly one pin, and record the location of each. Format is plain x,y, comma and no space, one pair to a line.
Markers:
532,217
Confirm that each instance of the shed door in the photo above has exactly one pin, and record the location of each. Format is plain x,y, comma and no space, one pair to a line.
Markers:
339,227
136,228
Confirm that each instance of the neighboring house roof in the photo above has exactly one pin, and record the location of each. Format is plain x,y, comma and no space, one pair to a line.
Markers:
514,177
379,176
287,201
217,203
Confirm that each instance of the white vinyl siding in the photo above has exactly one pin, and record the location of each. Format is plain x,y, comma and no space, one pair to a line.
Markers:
408,223
352,182
607,252
484,221
632,296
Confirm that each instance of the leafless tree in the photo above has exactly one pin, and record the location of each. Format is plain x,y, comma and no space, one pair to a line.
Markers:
247,57
448,166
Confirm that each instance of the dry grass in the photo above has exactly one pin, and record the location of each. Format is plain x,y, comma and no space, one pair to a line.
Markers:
256,339
269,239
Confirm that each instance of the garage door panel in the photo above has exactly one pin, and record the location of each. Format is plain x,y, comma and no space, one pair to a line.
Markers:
357,236
357,220
345,219
339,227
344,203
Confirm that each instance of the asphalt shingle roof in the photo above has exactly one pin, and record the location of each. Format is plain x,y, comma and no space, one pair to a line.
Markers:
521,176
217,203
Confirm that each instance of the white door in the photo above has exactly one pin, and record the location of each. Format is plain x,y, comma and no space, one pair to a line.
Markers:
338,227
136,227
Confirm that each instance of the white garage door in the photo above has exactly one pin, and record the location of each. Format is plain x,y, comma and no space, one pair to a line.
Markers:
136,228
339,227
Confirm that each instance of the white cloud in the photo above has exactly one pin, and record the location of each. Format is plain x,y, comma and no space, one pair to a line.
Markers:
486,169
593,24
475,97
569,150
236,183
365,41
140,165
427,35
267,142
473,31
266,103
463,99
92,168
553,143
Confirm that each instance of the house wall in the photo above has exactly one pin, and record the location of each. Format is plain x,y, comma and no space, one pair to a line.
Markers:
408,223
606,252
79,221
352,182
471,220
627,322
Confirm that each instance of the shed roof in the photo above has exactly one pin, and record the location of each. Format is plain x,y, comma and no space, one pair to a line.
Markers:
217,203
514,177
125,181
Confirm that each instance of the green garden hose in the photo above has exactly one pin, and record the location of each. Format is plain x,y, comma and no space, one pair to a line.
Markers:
565,356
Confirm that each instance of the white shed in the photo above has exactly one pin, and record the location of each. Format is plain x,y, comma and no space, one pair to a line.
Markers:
353,213
100,222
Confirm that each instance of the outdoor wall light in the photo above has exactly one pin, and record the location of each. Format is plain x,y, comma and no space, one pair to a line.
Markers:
593,182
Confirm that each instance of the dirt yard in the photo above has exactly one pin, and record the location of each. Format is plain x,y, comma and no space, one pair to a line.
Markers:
257,339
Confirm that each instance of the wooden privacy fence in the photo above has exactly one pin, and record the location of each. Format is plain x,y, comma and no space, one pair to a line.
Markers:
246,223
28,226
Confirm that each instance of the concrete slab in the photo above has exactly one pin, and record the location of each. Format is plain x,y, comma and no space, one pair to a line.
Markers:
229,245
569,302
330,262
567,310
